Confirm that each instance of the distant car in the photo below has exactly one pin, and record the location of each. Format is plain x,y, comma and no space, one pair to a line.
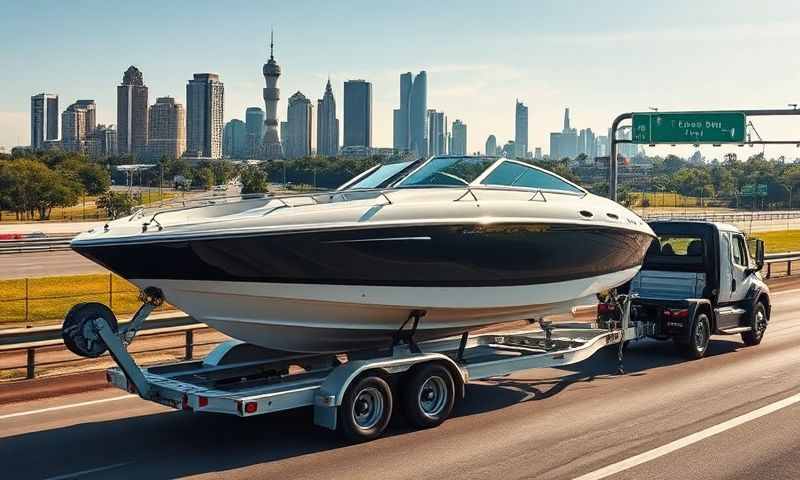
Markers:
220,188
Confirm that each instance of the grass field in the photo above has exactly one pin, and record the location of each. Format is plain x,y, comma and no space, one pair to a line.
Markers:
50,298
780,241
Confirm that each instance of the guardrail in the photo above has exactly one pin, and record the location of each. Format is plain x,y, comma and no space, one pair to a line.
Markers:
46,244
30,340
726,217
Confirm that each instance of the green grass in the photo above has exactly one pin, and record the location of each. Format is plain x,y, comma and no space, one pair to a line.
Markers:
88,210
780,241
50,298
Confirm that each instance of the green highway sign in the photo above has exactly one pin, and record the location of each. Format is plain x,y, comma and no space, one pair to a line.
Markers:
761,189
704,127
747,190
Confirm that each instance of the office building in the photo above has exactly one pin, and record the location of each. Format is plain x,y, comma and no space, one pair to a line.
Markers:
73,128
44,119
271,143
205,98
132,113
254,122
402,116
166,136
491,146
327,124
410,128
91,114
298,131
437,133
564,144
537,154
459,139
234,140
357,113
521,130
102,142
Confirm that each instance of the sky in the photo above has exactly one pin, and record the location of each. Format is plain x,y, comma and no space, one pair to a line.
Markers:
598,58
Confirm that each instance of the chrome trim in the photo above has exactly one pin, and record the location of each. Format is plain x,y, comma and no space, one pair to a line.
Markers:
386,239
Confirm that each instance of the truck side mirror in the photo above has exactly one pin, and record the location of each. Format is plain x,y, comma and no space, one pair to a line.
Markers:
759,254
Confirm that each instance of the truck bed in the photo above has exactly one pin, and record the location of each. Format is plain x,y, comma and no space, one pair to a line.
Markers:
668,285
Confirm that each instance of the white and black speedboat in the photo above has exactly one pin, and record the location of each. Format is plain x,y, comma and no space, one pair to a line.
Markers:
459,242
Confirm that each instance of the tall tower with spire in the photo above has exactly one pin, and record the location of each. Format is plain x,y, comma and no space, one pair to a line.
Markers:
327,124
271,145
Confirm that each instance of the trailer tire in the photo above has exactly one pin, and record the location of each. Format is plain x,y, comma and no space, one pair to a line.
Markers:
366,409
428,395
79,334
758,324
695,346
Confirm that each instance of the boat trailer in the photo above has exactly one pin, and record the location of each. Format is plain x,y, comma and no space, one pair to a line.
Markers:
354,392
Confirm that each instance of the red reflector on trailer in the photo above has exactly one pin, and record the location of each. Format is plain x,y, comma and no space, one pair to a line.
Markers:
202,401
250,407
604,308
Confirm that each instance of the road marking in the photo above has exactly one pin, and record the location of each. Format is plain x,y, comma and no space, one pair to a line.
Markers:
62,407
86,472
688,440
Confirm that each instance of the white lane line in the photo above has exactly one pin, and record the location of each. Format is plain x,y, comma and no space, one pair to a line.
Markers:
62,407
688,440
86,472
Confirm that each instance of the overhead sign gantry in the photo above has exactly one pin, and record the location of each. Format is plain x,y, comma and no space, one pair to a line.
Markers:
688,128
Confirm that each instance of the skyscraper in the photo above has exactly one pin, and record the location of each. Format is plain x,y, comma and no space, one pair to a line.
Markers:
298,130
459,143
166,129
91,114
254,121
271,143
521,130
234,139
44,119
491,146
402,117
132,113
418,108
357,113
564,144
205,97
327,124
437,133
102,142
73,128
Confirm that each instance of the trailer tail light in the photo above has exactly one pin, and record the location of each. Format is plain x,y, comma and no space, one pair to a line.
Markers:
605,308
202,402
250,407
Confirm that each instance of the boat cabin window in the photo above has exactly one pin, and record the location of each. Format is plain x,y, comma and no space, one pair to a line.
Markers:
377,178
448,171
512,174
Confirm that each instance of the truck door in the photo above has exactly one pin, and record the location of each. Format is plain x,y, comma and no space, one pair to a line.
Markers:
733,281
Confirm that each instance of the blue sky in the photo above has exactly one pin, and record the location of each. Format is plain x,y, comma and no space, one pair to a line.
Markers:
599,58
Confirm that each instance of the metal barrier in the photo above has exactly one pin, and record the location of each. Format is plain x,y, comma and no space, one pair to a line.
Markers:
778,258
47,244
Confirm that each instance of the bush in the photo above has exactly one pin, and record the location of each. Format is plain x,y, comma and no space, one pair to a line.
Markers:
116,204
254,179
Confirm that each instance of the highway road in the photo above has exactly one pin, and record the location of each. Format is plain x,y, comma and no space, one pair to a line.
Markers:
732,415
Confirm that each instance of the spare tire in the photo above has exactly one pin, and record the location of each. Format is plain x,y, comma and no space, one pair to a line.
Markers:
80,333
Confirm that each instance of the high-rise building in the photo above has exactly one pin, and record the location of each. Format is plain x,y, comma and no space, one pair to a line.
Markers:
521,130
102,143
491,146
254,121
537,154
508,149
357,114
564,144
234,140
437,133
91,114
166,129
132,113
459,142
402,116
298,131
587,143
418,108
284,135
73,128
205,98
44,119
271,142
327,124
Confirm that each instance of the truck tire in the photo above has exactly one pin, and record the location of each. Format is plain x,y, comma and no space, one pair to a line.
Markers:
428,395
758,323
695,346
366,409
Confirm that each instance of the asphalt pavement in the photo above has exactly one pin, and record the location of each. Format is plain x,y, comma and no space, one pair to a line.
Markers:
732,415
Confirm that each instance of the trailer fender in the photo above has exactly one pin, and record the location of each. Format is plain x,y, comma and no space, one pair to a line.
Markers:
331,392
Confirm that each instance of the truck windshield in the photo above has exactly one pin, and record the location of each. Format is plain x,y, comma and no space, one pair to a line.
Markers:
676,252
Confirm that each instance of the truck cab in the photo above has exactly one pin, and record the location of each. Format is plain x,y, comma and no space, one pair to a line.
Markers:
698,279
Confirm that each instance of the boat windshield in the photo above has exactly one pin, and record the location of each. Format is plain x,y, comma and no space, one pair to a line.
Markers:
517,174
448,171
376,177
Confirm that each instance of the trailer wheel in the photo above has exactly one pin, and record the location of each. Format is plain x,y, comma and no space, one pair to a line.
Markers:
699,336
428,395
366,409
758,325
78,330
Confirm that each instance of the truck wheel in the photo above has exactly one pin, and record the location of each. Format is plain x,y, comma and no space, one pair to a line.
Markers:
366,409
429,395
699,335
758,325
78,330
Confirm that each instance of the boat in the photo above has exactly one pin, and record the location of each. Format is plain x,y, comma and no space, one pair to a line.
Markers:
453,242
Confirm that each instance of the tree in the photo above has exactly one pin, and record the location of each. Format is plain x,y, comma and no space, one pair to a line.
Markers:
116,204
204,178
254,179
95,178
30,188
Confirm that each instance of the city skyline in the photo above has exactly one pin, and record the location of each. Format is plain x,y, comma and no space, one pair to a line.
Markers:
476,79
